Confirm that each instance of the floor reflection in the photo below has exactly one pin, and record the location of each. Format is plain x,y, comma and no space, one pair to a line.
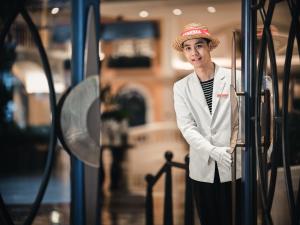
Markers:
120,206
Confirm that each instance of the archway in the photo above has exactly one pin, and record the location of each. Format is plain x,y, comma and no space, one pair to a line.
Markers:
133,103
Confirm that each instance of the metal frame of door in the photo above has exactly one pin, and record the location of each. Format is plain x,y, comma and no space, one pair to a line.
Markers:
253,160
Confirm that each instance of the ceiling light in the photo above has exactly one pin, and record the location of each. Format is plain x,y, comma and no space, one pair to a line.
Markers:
211,9
144,14
177,12
55,11
55,217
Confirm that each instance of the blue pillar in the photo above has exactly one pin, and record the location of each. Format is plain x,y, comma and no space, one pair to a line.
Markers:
249,72
78,37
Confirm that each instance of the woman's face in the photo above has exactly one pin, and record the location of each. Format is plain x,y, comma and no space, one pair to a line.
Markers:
197,52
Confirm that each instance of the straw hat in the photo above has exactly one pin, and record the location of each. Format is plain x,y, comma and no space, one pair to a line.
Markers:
192,31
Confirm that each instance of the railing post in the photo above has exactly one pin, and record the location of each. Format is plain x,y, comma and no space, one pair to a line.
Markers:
149,200
188,206
168,206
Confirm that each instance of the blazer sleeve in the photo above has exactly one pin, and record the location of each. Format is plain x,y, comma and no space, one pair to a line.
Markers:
187,125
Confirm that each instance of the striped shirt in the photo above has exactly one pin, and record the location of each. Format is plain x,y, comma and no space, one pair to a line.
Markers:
207,87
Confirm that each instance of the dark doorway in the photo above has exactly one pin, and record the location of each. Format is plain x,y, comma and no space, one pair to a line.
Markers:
133,103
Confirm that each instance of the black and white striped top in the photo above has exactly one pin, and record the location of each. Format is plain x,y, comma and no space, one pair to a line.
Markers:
207,87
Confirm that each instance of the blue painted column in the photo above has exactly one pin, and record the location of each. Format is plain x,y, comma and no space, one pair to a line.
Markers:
248,75
78,37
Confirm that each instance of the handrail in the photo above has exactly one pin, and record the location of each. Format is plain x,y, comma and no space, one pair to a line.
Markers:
233,167
168,208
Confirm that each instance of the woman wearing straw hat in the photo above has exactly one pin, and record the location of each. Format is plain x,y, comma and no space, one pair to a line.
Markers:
203,108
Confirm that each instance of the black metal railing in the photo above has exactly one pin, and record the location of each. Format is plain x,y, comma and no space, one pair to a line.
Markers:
166,170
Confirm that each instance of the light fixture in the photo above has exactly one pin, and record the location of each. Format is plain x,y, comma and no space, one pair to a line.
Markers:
55,10
211,9
144,13
101,56
177,12
55,217
36,83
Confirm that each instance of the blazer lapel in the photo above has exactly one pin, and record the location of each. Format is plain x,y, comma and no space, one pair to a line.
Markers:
219,83
198,94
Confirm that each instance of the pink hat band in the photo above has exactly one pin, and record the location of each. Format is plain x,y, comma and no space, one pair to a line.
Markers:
194,31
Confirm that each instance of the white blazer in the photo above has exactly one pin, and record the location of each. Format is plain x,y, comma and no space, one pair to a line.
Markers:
202,130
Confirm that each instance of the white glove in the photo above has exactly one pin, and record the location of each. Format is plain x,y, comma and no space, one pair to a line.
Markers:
221,155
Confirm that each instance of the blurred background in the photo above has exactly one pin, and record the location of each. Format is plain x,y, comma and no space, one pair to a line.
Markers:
138,69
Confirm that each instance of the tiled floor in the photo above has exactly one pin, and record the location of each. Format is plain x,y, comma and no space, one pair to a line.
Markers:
123,206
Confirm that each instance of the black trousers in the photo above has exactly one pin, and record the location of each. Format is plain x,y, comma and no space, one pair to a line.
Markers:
213,201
